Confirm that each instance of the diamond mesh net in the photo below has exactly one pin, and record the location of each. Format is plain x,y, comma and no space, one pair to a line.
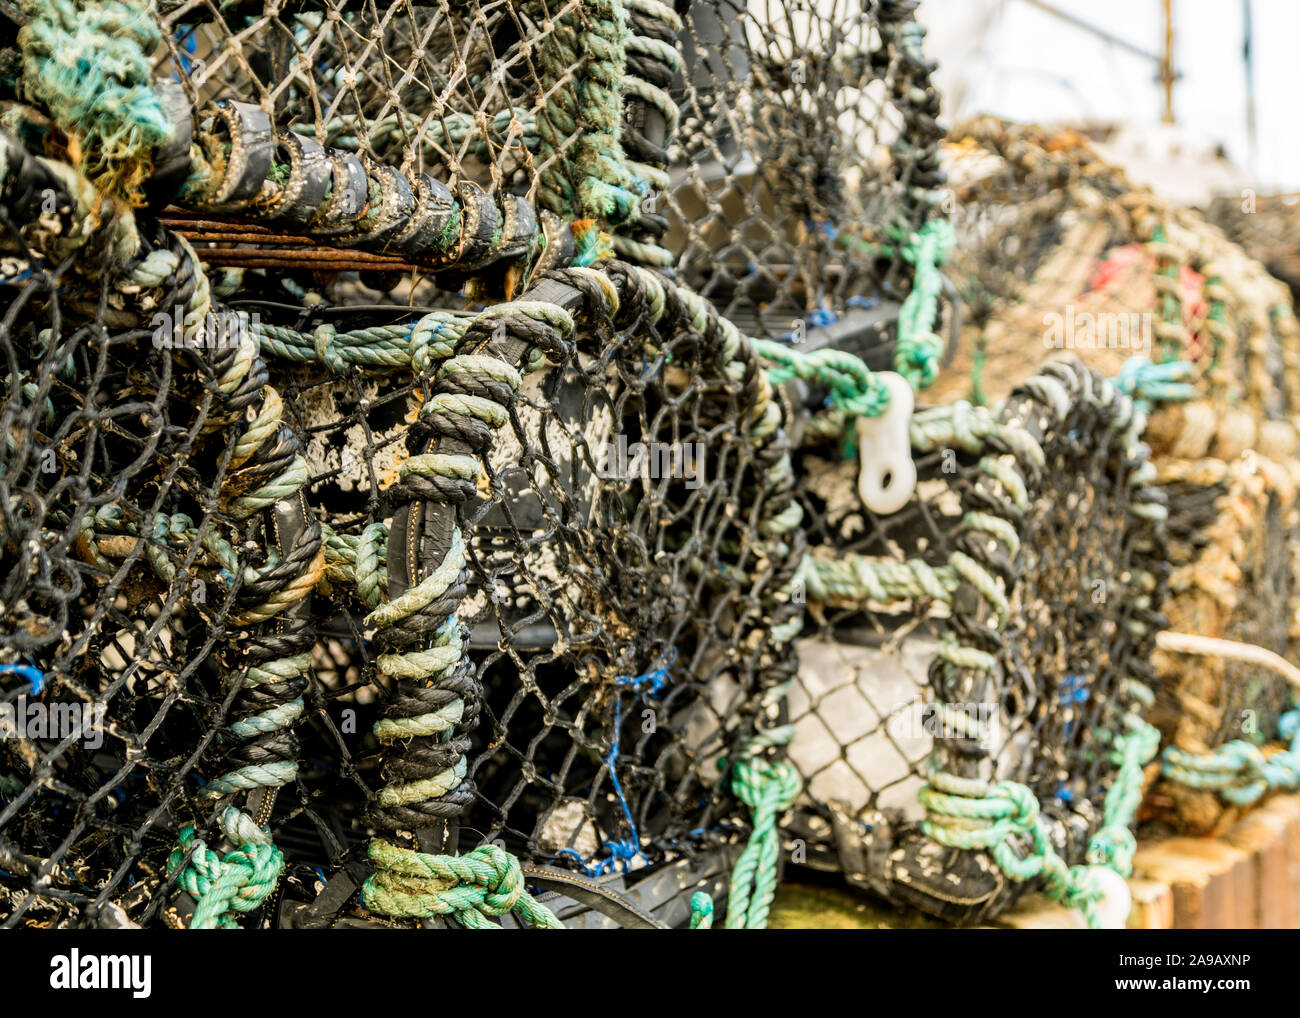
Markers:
201,567
807,153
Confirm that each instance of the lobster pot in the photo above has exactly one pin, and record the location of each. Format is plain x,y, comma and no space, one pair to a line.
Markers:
124,557
1265,227
1057,252
889,695
806,153
1055,248
1232,541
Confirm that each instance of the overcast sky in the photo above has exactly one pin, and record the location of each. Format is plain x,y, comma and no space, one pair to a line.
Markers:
1009,58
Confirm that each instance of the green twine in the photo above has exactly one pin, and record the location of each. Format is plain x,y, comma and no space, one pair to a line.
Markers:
88,64
919,348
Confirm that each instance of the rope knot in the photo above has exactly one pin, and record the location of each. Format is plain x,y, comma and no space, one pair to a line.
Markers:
326,352
501,879
428,344
766,784
1113,846
238,882
485,882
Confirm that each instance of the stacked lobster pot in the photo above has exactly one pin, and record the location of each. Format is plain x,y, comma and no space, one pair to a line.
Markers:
980,582
413,561
1057,251
1266,227
1234,530
968,711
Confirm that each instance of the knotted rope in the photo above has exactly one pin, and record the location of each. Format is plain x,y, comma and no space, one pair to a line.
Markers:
473,888
237,882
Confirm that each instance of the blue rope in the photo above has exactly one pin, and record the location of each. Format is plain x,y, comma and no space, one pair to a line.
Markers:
1073,690
621,853
1147,382
34,676
822,316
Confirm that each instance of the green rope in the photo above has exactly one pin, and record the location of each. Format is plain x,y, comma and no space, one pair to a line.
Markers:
221,885
1147,382
916,357
89,65
583,172
471,888
855,389
860,579
359,559
380,347
1238,770
769,788
974,815
1113,844
701,911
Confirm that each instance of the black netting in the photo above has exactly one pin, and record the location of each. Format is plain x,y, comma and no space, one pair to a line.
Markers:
368,504
617,600
807,155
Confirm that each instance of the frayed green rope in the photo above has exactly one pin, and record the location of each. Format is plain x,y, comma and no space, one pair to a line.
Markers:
701,911
88,65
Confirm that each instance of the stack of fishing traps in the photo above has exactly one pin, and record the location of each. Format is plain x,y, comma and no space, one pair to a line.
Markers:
1058,250
408,546
458,473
